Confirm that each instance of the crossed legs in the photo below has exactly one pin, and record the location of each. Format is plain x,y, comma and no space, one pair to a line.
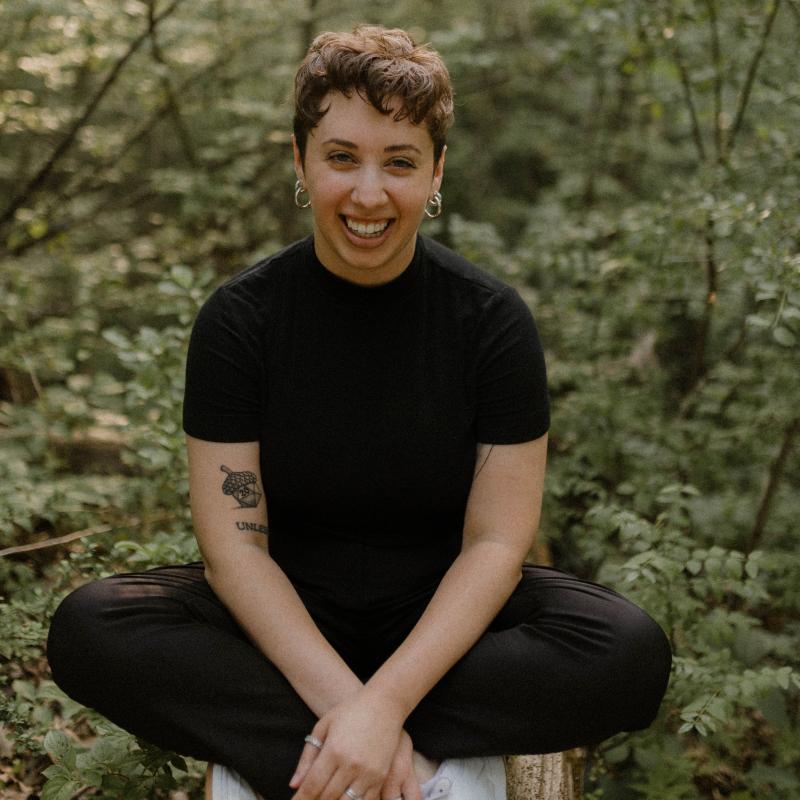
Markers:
565,663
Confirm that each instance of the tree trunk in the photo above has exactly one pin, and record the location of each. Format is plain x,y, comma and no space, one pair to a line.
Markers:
555,776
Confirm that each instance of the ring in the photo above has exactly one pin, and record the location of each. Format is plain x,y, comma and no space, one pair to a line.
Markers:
352,793
399,797
314,742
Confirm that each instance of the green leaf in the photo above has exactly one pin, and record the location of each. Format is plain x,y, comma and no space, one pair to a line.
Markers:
182,275
57,745
60,789
784,336
618,754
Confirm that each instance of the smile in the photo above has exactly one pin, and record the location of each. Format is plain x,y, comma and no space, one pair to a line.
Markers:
367,230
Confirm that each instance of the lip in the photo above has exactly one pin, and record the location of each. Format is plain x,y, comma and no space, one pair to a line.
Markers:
360,241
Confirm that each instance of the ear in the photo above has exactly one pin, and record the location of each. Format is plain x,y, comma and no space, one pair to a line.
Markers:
298,162
438,172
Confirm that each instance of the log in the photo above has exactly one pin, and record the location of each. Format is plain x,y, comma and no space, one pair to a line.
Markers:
554,776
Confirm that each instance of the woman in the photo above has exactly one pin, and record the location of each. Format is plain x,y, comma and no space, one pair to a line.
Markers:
385,400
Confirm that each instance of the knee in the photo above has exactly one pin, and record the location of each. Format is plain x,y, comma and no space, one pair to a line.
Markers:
73,638
644,664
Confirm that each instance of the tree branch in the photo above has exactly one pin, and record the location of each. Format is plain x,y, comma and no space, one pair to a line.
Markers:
700,366
172,101
744,97
686,85
92,182
593,132
716,56
775,474
92,215
55,541
307,27
41,176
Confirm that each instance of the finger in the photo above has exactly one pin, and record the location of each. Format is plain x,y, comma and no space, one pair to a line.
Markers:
393,785
307,758
410,789
325,780
338,785
392,791
313,782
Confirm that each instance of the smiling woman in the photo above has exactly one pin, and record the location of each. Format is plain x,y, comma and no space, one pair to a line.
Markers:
366,416
369,177
369,145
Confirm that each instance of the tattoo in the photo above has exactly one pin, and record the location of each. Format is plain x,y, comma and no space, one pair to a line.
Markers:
483,463
251,526
242,486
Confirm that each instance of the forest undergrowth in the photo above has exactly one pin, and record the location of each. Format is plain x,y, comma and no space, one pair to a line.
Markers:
633,168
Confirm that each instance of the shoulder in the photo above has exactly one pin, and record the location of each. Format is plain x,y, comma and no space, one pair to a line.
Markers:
473,284
251,293
460,270
269,273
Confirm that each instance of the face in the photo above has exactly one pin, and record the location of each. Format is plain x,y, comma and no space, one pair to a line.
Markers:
368,178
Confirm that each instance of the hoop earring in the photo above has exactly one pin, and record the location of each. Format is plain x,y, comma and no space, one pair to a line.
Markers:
299,190
433,208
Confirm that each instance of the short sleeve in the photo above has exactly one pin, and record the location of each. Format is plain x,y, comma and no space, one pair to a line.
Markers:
223,395
512,399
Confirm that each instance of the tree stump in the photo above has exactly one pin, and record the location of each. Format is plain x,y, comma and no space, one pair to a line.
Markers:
554,776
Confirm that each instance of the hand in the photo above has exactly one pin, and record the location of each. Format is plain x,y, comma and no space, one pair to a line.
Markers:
402,779
360,739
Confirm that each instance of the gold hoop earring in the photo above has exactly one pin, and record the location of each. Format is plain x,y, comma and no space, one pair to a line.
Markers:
433,208
299,190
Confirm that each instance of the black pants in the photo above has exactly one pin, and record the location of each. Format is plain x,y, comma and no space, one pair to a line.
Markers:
565,663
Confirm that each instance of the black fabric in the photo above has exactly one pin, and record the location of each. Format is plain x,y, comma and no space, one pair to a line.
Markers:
368,403
565,663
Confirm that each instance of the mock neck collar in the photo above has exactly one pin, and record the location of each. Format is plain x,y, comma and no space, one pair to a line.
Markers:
349,291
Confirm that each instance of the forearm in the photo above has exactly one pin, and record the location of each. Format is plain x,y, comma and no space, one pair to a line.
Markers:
470,595
500,524
266,605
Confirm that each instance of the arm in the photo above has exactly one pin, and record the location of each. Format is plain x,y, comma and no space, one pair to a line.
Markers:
232,537
501,520
500,525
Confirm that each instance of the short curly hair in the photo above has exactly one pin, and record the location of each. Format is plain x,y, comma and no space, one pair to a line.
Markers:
382,65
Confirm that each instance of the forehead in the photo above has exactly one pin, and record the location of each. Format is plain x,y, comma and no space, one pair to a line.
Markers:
358,121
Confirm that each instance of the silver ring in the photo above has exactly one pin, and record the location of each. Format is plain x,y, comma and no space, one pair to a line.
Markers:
313,741
353,794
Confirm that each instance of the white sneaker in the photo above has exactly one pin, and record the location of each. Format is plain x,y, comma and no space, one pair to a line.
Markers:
468,779
225,784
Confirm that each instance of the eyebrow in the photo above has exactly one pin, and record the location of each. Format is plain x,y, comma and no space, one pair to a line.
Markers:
392,148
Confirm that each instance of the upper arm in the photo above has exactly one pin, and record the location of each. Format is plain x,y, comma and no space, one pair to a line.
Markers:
229,509
505,499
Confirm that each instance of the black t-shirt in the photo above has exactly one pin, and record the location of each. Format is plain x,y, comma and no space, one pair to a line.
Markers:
367,402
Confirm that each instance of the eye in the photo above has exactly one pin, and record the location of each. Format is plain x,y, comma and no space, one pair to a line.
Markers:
402,163
340,157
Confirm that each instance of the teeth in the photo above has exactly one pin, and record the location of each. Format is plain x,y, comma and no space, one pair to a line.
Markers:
370,229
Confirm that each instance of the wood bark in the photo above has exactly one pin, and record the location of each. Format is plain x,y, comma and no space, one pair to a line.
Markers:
554,776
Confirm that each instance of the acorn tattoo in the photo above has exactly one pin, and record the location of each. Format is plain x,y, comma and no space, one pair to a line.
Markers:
243,486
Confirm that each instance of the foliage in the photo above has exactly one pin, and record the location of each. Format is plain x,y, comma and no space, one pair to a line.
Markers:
632,167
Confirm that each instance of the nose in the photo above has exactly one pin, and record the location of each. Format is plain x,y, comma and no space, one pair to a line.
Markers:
368,190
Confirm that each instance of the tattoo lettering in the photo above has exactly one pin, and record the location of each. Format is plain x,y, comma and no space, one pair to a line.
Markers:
242,486
251,526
